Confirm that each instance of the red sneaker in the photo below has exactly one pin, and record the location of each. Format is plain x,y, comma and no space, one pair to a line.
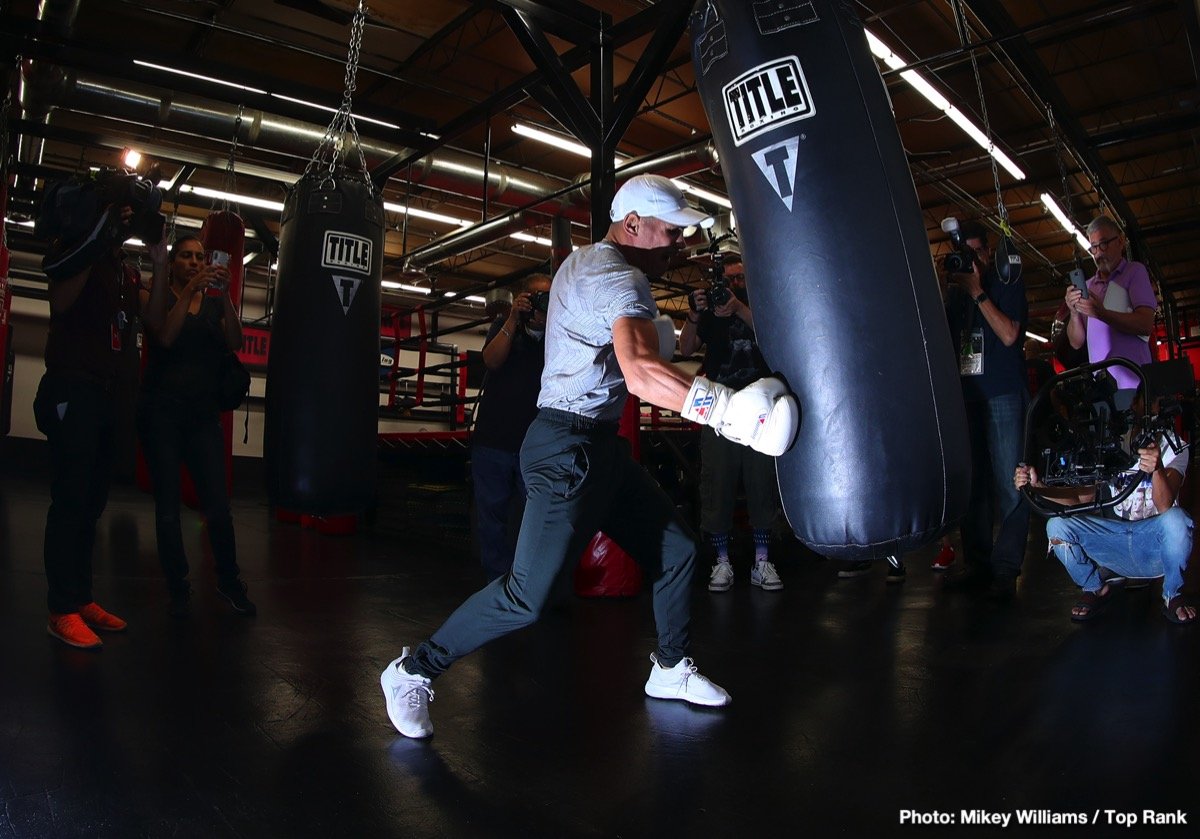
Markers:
944,559
97,618
70,629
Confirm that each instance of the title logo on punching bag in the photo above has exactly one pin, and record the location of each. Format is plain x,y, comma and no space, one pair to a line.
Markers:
345,250
766,97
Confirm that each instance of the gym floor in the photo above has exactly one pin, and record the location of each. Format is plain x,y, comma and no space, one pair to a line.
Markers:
854,701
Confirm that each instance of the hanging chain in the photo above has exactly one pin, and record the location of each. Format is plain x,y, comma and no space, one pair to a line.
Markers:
1059,151
230,174
4,151
964,39
328,151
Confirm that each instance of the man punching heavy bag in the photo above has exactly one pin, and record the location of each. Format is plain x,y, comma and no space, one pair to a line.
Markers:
322,397
845,299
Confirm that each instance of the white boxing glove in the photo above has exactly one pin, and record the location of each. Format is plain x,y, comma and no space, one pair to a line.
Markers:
666,337
762,415
706,402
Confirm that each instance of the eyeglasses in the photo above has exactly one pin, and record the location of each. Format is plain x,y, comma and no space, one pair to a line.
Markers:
1096,247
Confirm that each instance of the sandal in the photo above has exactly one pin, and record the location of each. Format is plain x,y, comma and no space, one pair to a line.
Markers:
1091,603
1171,609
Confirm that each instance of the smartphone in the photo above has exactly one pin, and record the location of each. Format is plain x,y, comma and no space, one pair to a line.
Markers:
1079,281
219,258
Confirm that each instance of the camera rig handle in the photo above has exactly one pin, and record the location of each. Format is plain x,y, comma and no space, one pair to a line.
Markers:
1038,501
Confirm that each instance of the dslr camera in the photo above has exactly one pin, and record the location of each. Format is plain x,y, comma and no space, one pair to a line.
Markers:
718,292
540,301
962,258
71,208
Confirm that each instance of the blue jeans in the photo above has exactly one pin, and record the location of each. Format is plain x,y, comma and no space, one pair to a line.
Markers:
172,435
996,427
581,478
1153,547
496,475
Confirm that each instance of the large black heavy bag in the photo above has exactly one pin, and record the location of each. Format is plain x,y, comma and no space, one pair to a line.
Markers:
320,437
845,299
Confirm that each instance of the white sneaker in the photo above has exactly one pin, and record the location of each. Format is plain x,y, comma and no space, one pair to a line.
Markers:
765,576
407,698
684,682
721,578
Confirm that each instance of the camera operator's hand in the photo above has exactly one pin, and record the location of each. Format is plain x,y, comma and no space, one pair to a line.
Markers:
972,283
731,307
160,253
522,310
1025,476
1149,458
699,300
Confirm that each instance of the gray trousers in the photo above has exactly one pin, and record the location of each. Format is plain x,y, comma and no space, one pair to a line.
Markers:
581,478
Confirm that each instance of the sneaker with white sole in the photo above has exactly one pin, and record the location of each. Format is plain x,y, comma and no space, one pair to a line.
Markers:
721,578
855,569
764,575
683,681
408,697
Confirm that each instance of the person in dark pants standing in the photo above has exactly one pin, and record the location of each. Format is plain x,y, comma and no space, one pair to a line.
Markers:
190,331
987,319
601,345
514,353
725,327
93,304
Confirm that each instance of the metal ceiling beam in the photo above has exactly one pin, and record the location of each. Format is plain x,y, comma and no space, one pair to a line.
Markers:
567,104
649,66
621,34
576,22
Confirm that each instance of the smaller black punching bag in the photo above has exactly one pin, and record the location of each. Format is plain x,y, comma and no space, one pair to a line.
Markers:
322,399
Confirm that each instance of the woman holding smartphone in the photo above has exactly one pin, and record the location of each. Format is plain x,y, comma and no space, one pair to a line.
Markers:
191,324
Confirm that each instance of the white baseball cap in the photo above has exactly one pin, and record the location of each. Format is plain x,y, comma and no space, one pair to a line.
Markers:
656,197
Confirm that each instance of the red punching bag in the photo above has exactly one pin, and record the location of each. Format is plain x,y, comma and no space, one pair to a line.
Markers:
846,302
605,570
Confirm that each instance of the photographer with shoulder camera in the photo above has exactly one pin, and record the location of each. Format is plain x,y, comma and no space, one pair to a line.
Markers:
720,320
1148,534
514,353
93,296
987,319
1115,316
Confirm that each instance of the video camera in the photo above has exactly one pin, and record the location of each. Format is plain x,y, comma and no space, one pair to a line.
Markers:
962,258
72,208
719,292
1077,436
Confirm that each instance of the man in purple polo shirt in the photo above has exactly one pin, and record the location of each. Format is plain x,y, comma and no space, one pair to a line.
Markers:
1117,316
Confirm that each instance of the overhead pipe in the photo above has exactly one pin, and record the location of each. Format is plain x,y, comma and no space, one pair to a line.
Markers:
446,170
466,239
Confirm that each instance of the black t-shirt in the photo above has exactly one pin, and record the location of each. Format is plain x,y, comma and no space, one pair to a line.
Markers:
87,338
731,355
188,371
508,401
1003,367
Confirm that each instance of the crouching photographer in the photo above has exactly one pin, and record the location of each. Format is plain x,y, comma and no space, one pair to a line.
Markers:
1144,534
93,295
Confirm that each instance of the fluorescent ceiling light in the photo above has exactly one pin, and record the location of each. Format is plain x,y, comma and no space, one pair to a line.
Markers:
935,98
559,142
1037,338
221,195
529,237
330,110
1067,225
192,75
131,158
703,194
